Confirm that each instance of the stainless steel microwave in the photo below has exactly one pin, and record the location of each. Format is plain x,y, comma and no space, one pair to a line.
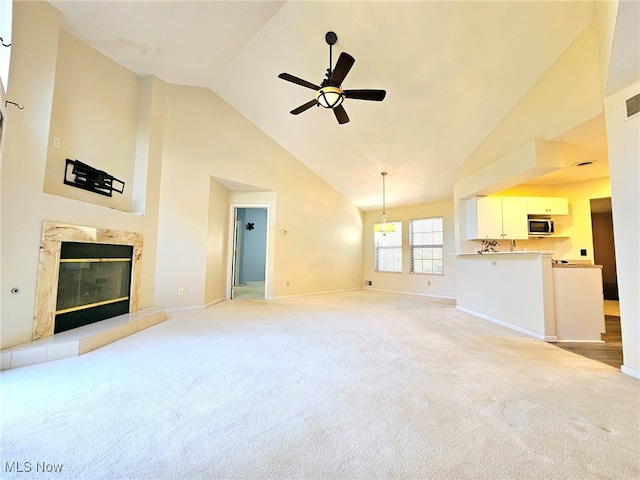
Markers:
541,226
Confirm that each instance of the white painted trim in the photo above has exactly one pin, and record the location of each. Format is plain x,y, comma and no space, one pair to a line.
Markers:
632,372
581,341
214,302
505,324
195,307
283,297
409,293
232,232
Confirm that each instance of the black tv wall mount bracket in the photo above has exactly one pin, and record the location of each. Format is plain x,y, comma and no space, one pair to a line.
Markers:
81,175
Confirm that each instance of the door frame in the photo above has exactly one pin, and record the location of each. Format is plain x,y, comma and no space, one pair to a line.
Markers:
232,245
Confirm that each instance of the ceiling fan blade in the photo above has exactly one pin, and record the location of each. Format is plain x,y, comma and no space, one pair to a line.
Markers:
304,107
341,114
375,95
298,81
344,64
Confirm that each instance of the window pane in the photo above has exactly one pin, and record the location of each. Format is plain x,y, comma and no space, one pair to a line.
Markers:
426,245
389,249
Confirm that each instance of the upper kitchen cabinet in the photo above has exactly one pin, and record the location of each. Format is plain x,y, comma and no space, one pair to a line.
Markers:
547,206
497,218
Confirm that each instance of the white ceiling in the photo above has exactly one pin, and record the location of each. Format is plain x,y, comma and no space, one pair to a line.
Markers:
452,70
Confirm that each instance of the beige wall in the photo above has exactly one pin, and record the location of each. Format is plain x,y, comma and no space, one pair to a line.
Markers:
205,137
24,161
174,137
624,151
217,244
441,285
568,94
94,114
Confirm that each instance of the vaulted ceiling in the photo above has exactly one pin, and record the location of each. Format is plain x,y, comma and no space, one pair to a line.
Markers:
452,71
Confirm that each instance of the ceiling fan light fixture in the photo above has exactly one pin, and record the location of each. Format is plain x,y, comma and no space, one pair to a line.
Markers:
329,97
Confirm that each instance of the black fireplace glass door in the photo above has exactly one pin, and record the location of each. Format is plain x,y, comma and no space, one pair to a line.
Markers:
94,282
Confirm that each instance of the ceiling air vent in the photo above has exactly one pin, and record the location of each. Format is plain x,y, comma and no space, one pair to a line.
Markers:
633,105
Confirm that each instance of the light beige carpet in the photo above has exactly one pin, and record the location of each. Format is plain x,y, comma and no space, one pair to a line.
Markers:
355,385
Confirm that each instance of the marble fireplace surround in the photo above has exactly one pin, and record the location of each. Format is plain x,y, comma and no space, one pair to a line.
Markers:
53,234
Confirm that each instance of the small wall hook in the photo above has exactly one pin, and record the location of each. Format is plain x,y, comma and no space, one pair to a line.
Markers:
13,103
4,44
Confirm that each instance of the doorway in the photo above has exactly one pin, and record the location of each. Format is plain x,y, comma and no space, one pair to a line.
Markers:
604,250
249,253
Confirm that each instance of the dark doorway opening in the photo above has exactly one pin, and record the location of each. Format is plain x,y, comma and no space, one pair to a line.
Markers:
604,250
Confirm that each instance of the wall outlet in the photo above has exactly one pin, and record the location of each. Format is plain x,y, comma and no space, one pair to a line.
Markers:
428,283
368,283
583,252
180,291
192,290
287,283
56,142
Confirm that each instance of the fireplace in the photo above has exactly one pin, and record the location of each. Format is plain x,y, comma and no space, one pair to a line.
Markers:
99,267
94,281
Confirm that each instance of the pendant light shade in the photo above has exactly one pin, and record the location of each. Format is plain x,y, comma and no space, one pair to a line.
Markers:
384,227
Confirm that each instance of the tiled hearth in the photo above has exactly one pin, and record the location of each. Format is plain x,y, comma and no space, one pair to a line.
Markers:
80,340
46,346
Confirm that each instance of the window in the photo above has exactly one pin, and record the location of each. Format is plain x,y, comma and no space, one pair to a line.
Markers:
6,15
389,250
425,241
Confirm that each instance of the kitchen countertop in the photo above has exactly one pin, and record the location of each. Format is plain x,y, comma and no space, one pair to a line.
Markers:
515,252
570,264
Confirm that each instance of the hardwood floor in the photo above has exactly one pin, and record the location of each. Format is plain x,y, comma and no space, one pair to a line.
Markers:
609,352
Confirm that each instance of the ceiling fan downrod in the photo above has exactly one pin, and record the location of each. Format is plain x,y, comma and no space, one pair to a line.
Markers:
331,38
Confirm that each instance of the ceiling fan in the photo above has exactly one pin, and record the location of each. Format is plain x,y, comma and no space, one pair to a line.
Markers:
329,93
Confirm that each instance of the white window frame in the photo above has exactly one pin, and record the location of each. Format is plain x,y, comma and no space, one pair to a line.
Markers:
391,243
428,265
6,18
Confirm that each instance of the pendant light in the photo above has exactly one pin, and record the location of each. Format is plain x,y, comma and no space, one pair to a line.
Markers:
384,227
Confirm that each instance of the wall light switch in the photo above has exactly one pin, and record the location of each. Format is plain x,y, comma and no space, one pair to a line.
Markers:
56,142
192,290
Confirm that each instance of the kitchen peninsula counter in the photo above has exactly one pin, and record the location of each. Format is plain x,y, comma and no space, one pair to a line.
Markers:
529,292
513,289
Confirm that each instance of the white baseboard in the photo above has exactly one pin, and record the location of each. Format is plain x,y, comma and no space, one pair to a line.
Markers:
418,294
215,302
194,307
282,297
632,372
508,325
580,341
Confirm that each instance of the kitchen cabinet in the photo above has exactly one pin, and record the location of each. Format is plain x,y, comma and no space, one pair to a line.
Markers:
579,302
497,218
547,206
